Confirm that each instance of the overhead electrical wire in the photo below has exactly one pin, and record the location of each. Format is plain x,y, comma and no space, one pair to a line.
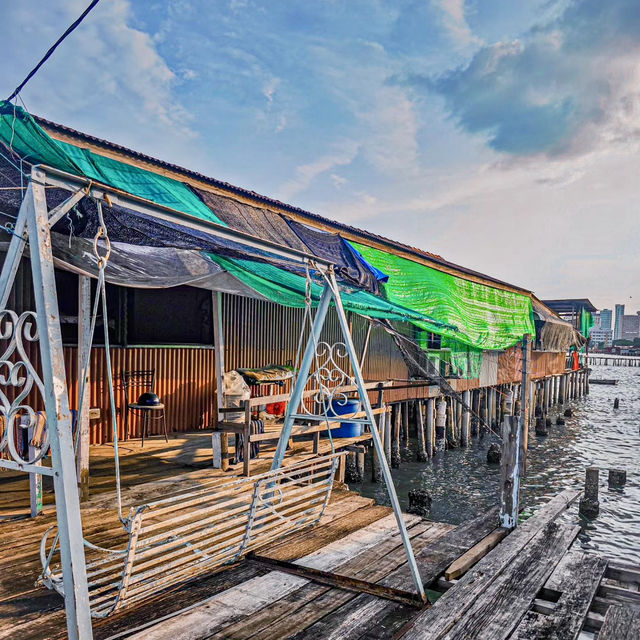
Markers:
55,45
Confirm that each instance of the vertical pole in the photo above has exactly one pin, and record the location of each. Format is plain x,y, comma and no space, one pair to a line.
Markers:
219,440
525,399
441,424
430,427
466,398
422,453
386,472
35,479
84,349
13,257
56,400
510,463
405,421
395,437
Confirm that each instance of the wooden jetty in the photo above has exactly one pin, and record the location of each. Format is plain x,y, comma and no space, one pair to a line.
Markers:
345,578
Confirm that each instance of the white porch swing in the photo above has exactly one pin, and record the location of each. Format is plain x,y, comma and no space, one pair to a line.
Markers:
181,536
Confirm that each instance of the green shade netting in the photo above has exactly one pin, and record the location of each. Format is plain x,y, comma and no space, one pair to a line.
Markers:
32,143
486,317
288,289
586,323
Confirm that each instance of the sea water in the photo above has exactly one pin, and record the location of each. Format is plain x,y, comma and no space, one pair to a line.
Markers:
463,485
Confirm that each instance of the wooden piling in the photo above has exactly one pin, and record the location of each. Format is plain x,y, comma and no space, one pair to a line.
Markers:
405,421
510,472
589,504
464,432
395,437
387,437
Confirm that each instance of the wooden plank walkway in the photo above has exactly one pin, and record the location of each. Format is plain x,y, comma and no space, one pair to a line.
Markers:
531,584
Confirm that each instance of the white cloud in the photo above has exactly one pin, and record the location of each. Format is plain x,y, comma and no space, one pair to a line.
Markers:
107,78
456,23
342,155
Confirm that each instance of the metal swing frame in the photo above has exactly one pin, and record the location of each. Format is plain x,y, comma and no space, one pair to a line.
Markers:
34,224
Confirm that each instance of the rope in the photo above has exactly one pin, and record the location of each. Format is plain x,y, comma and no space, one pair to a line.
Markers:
53,47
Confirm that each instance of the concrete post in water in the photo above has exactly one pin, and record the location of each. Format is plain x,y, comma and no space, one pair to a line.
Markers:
441,424
617,478
475,399
589,504
465,434
546,401
510,485
616,403
395,436
422,453
563,386
458,432
430,427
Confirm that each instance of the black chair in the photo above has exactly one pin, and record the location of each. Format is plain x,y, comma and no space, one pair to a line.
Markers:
138,384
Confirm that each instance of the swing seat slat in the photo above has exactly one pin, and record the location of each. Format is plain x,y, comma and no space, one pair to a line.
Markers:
184,535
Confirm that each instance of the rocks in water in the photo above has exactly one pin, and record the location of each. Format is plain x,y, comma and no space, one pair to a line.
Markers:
494,454
547,422
568,413
559,420
419,502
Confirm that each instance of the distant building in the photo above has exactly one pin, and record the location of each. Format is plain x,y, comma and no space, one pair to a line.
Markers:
605,319
602,337
618,328
630,327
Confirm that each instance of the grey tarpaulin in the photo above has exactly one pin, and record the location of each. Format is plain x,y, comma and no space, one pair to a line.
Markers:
553,333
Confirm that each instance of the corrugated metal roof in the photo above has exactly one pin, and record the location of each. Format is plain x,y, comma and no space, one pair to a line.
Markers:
53,127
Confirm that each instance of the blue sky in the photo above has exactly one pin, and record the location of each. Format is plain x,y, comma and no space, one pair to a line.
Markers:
502,136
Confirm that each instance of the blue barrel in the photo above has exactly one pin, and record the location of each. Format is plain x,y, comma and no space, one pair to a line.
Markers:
340,407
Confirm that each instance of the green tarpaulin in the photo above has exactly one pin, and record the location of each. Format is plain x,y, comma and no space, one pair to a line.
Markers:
288,289
25,136
485,317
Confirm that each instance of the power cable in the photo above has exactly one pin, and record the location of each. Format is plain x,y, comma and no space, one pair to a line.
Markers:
47,55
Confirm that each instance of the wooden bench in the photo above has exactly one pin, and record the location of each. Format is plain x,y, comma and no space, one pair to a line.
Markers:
316,429
187,534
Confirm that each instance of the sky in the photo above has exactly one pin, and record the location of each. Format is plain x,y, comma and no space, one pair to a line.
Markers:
503,136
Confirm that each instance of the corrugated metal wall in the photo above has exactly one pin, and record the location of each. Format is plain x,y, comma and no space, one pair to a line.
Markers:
257,333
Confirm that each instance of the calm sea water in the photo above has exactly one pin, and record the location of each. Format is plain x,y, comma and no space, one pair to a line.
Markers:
463,485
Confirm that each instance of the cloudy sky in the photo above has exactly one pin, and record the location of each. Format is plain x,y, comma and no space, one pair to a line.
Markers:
501,135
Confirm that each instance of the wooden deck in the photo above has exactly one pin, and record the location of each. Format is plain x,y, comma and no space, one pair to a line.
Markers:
530,584
157,460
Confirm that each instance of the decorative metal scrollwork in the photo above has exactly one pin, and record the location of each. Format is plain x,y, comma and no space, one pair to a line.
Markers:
17,373
328,377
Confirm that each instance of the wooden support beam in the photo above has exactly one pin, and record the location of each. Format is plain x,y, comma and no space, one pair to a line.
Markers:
340,581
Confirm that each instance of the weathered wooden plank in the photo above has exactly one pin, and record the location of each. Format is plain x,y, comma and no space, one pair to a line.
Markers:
257,593
368,615
475,554
299,609
454,604
620,623
509,596
576,577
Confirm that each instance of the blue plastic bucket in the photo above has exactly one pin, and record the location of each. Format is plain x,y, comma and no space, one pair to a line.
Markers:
340,407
